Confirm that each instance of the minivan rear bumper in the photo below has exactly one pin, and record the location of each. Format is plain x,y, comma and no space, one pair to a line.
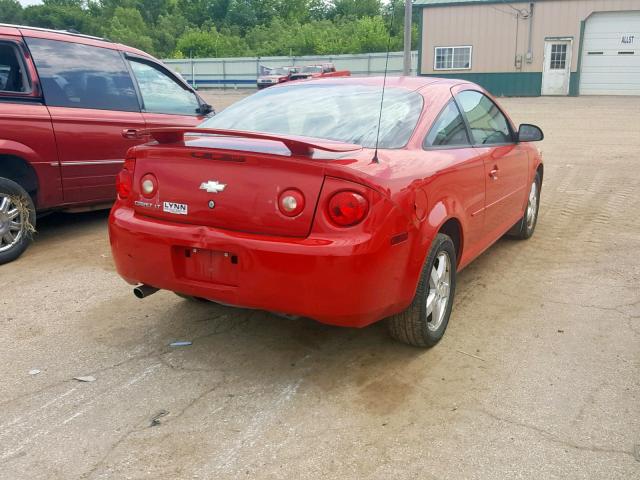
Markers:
348,281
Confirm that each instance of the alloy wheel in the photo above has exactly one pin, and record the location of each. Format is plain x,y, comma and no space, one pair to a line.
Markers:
11,222
532,206
439,291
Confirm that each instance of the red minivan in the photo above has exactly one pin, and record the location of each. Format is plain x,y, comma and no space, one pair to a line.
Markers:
70,108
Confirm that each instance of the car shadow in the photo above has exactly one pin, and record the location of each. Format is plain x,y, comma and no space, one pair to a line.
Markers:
255,350
54,224
259,350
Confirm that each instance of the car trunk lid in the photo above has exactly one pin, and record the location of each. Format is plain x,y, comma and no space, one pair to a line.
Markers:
230,183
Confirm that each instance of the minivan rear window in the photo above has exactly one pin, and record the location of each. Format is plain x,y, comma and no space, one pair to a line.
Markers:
81,76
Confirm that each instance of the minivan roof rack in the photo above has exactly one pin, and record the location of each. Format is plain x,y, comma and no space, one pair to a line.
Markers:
65,32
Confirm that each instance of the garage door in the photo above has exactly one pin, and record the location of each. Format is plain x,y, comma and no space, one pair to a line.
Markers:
611,54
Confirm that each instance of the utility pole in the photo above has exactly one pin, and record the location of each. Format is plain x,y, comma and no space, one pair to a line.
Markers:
406,70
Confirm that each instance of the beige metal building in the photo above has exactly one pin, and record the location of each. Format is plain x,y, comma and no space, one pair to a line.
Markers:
539,47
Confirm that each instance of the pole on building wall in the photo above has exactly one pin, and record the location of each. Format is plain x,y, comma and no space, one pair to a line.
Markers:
406,67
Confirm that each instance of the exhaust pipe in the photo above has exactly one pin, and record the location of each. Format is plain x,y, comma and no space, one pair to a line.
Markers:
143,291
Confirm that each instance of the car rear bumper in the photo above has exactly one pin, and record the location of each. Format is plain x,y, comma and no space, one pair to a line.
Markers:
342,281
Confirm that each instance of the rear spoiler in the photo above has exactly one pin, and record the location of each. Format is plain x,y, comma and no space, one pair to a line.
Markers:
300,146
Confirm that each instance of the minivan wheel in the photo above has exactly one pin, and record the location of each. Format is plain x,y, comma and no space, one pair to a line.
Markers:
17,220
424,322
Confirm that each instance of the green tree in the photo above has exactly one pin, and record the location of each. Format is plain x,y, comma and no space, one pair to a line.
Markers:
65,3
201,12
151,10
356,8
370,35
168,29
210,43
294,10
226,27
128,27
10,11
62,15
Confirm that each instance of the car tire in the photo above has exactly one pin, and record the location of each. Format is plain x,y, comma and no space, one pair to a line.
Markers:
17,220
527,224
423,324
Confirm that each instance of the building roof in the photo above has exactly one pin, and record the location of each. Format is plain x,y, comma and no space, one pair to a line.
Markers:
446,3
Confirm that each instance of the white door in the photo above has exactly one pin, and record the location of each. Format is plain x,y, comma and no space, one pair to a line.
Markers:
557,67
611,54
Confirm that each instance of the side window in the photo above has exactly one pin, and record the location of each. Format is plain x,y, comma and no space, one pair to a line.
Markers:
82,76
13,78
448,130
161,93
487,123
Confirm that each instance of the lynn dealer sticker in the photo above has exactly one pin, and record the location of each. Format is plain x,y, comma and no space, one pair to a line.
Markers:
176,208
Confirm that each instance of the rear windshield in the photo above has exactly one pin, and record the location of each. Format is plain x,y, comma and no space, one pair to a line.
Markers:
346,113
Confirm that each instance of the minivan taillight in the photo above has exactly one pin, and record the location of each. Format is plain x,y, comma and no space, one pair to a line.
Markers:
347,208
124,179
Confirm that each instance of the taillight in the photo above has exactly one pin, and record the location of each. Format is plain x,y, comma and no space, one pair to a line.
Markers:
123,184
124,180
347,208
291,202
148,185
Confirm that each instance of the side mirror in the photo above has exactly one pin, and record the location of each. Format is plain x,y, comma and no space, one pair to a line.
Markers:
205,109
529,133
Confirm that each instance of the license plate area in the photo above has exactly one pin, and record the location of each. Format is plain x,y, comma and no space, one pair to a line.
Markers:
203,265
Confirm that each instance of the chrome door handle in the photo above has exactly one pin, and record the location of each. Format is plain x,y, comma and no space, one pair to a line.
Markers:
131,133
494,173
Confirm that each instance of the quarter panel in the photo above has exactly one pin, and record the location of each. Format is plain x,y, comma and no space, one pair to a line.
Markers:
457,191
26,132
445,184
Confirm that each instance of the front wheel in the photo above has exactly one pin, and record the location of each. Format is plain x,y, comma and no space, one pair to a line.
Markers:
17,220
527,224
423,324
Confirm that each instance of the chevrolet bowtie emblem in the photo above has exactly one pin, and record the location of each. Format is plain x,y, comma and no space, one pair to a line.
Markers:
212,186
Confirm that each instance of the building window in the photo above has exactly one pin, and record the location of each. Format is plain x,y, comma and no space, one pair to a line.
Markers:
452,58
558,56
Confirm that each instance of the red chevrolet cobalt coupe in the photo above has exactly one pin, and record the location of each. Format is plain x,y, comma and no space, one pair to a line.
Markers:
282,203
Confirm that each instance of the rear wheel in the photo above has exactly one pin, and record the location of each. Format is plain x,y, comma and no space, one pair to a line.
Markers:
423,324
17,220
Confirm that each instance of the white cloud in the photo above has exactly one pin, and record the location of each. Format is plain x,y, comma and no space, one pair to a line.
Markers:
29,2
